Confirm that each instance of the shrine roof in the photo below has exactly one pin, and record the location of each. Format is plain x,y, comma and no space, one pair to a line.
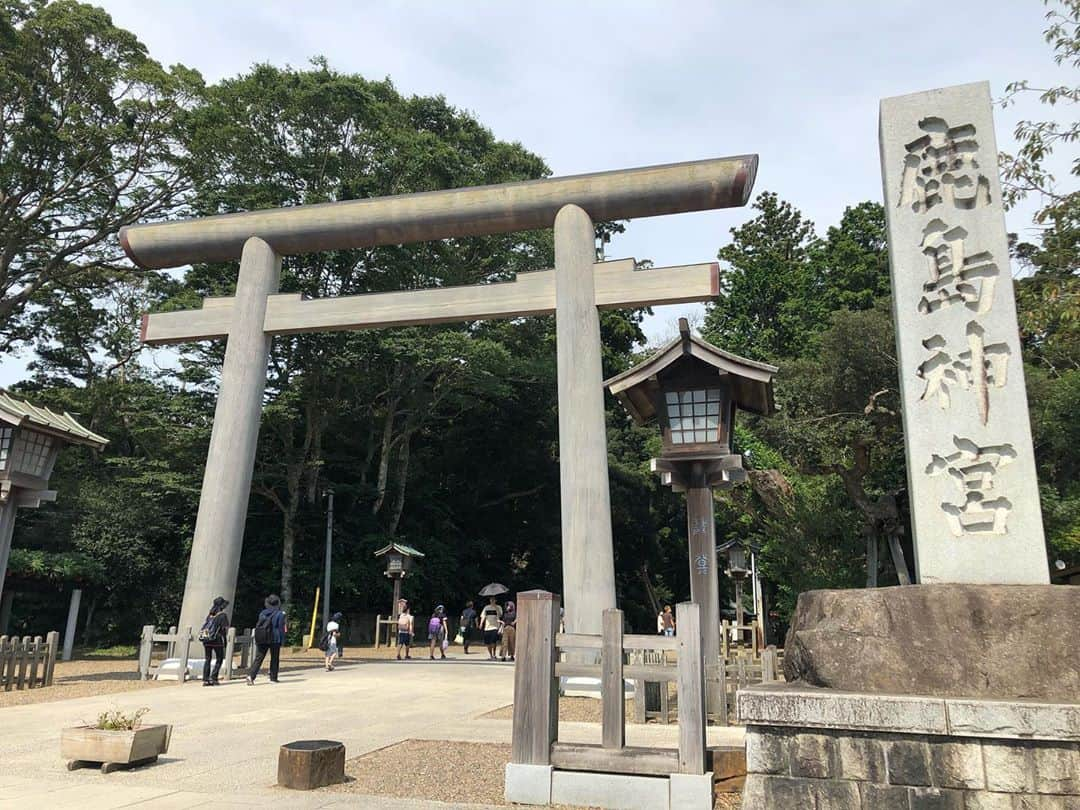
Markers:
750,380
20,413
400,548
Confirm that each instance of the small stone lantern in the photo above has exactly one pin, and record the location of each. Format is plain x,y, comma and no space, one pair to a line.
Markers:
399,561
693,390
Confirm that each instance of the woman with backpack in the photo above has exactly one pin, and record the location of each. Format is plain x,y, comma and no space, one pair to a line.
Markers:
329,644
212,636
269,635
508,638
437,632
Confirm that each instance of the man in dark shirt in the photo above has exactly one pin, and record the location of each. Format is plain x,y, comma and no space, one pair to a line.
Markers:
468,622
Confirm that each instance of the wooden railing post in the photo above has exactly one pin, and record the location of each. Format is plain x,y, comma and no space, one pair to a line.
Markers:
183,646
170,648
34,650
245,650
691,690
536,689
146,651
5,670
52,642
24,653
612,691
768,665
230,650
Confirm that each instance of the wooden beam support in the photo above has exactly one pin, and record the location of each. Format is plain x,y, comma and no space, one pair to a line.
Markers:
618,285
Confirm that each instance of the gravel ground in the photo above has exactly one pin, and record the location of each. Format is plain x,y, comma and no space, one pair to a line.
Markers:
571,709
444,771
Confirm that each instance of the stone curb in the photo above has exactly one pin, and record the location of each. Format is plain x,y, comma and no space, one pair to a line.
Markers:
802,706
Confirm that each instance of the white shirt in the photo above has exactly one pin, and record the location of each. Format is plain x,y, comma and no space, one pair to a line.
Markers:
331,627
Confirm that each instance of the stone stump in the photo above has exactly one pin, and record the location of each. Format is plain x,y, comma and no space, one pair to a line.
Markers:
309,764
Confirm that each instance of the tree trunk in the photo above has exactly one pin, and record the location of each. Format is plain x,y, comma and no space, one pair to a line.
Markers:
384,456
403,481
871,558
650,592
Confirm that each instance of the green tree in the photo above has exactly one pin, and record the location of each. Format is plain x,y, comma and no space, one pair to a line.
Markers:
768,291
87,144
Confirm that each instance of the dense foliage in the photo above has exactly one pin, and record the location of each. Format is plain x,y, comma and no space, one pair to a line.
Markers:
442,437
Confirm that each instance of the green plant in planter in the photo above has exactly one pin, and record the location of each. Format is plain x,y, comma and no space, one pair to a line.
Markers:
116,720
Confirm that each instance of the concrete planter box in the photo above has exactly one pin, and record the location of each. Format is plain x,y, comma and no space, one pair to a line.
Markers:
84,745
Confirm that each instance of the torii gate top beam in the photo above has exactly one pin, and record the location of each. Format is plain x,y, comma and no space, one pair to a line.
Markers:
625,194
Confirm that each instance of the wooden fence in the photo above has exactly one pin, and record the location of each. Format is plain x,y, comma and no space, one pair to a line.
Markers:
741,671
178,645
27,663
536,690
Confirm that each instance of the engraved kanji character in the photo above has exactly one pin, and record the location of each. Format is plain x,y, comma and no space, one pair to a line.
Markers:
973,468
942,167
955,277
978,369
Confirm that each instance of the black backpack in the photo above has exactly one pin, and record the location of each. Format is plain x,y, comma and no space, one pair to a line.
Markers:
264,629
324,642
210,631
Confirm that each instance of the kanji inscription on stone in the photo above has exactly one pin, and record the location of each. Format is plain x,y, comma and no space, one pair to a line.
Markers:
971,471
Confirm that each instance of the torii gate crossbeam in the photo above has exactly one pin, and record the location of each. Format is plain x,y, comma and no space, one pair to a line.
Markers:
574,290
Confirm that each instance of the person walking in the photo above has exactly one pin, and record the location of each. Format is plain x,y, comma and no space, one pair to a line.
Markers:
468,623
436,630
340,619
212,636
404,629
667,621
490,620
333,633
509,633
269,635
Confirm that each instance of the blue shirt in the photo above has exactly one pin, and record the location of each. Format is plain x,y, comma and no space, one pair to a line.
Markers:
277,624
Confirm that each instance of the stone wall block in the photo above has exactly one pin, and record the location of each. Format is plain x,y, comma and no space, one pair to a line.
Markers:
783,791
859,756
957,765
836,795
1057,769
928,798
884,797
812,756
767,751
753,792
907,762
983,800
1045,802
1009,767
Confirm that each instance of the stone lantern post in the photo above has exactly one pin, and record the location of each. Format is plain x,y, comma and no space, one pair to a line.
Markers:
692,390
399,561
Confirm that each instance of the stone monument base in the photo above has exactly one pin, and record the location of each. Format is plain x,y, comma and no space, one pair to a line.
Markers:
813,747
986,641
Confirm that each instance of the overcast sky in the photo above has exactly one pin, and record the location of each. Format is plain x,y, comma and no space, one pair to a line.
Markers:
591,86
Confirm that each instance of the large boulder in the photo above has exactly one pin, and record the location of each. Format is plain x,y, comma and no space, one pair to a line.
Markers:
988,641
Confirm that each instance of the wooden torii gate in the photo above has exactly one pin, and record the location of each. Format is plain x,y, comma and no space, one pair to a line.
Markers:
573,291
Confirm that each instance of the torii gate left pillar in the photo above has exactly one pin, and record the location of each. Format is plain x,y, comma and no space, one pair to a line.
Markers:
573,292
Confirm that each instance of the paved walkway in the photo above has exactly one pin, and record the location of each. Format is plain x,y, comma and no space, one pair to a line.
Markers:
225,740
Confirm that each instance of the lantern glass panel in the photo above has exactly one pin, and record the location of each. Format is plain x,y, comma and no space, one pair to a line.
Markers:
693,416
5,446
30,453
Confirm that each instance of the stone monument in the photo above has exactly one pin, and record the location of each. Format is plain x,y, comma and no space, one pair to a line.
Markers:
959,692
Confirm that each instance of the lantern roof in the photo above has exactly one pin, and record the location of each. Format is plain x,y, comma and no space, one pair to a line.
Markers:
20,413
400,548
750,381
